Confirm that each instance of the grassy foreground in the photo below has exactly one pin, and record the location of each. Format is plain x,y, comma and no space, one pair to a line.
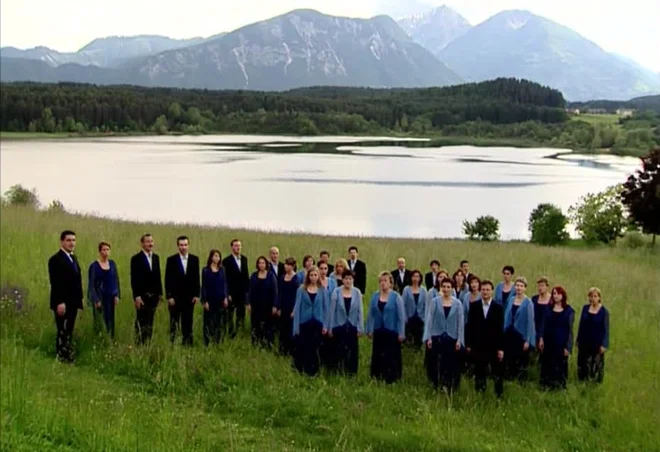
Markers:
236,398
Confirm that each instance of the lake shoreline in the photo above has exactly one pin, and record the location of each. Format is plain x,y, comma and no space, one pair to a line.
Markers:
432,140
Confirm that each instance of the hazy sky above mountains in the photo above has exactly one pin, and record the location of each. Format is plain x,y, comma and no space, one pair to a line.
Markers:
627,27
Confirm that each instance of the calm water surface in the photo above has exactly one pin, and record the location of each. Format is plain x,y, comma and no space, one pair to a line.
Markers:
327,185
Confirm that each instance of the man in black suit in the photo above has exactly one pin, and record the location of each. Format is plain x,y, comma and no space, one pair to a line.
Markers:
359,268
66,293
401,275
430,277
324,256
238,284
182,289
465,267
147,287
276,267
484,339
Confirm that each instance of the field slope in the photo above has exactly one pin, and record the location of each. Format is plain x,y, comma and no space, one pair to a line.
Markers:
236,398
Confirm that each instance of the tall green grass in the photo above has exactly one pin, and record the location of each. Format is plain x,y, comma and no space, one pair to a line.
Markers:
234,397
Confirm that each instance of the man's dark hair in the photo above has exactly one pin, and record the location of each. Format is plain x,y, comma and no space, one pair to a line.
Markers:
180,238
66,233
351,248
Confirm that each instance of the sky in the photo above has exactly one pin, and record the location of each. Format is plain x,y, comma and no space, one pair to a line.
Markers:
626,27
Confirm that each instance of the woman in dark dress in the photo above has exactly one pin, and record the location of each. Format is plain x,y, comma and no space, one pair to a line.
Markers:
307,263
556,341
519,334
286,300
386,326
261,304
345,323
542,303
505,290
103,290
593,338
309,315
214,298
444,337
328,349
415,301
460,284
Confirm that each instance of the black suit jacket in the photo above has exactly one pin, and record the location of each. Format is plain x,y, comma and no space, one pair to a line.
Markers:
428,280
485,336
183,287
360,271
280,269
398,283
65,281
146,280
238,281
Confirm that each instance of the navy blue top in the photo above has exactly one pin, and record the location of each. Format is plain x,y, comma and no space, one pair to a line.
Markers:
505,296
381,305
540,314
347,303
447,309
558,331
312,296
214,287
263,292
286,299
103,285
514,309
594,329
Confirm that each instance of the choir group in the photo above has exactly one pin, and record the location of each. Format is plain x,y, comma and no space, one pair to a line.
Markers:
466,325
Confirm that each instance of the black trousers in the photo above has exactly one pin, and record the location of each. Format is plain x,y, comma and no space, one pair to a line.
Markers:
415,331
65,325
144,319
215,321
444,363
262,328
346,348
516,360
285,326
236,314
554,369
386,361
104,318
591,364
307,359
181,317
486,364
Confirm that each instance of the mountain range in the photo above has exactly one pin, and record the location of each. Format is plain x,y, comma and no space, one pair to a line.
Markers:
306,48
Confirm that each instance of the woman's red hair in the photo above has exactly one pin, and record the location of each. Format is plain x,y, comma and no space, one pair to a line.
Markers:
564,296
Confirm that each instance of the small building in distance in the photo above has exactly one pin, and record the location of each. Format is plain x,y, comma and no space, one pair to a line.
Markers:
625,112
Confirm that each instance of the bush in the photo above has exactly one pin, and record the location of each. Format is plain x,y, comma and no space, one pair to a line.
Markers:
17,195
485,228
634,240
56,206
547,223
599,217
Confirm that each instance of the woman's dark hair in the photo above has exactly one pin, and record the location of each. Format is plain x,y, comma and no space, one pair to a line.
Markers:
102,244
209,261
473,278
291,262
306,258
265,260
346,273
434,262
458,272
447,280
417,272
508,268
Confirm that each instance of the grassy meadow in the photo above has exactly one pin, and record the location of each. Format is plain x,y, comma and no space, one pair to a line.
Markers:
234,397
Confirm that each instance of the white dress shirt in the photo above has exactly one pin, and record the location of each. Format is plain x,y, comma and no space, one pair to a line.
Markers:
402,274
238,261
486,307
69,255
184,262
273,265
352,264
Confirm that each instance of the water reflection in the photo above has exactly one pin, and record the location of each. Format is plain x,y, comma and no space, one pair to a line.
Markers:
326,185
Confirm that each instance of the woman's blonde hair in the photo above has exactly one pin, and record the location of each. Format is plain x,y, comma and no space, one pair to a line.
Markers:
342,262
595,290
521,279
389,277
308,281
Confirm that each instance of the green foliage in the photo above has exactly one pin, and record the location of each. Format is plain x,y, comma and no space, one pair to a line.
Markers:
17,195
547,223
641,194
485,228
599,217
160,125
633,240
56,206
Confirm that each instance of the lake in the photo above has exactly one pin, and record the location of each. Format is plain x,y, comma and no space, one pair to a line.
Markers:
325,185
